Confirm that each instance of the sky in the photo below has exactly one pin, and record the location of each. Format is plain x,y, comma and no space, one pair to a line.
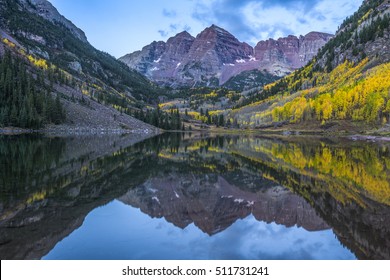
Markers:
120,27
120,232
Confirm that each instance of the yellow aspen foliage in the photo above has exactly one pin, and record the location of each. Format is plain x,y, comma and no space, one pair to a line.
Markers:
276,112
297,109
373,107
323,107
286,112
41,63
8,43
387,109
347,93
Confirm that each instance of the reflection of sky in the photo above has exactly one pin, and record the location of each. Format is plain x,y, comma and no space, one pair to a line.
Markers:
118,231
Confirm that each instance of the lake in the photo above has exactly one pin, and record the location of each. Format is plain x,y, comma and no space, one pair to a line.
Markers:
194,196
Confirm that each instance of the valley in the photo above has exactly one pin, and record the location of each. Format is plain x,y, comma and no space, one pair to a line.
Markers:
195,146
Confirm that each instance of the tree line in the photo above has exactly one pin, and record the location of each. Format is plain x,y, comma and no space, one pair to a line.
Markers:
165,120
213,119
26,99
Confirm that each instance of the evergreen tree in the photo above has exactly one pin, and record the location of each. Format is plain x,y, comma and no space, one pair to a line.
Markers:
23,102
221,120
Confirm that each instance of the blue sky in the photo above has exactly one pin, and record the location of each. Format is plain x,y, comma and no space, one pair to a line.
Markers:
123,26
120,232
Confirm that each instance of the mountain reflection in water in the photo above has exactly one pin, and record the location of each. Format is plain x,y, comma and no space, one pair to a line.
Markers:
221,185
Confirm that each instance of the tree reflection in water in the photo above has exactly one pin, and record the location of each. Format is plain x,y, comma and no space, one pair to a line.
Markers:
49,185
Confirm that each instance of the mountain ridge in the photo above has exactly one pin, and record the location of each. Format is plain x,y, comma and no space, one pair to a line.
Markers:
46,10
215,56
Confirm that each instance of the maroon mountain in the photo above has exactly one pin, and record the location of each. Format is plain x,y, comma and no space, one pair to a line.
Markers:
215,56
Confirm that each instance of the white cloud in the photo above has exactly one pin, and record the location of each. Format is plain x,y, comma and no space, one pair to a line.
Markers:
254,20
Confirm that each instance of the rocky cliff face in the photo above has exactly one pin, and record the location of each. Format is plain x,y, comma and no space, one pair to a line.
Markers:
215,56
212,50
282,55
46,10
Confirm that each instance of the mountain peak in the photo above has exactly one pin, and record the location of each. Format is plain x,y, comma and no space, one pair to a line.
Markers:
217,29
318,35
183,34
46,10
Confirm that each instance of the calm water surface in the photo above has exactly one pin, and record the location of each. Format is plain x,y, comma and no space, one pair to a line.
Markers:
181,196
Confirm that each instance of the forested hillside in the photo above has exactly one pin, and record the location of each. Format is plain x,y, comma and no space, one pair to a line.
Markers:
27,102
51,74
347,81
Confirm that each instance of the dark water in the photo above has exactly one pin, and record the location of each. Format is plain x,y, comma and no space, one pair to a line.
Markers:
178,196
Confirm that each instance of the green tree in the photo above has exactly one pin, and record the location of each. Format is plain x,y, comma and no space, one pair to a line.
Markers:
221,120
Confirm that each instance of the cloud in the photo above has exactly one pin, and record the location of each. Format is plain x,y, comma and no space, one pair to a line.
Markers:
169,13
254,20
173,29
187,28
163,33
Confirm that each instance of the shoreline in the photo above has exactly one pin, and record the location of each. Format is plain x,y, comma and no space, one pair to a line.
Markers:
288,134
64,131
146,132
